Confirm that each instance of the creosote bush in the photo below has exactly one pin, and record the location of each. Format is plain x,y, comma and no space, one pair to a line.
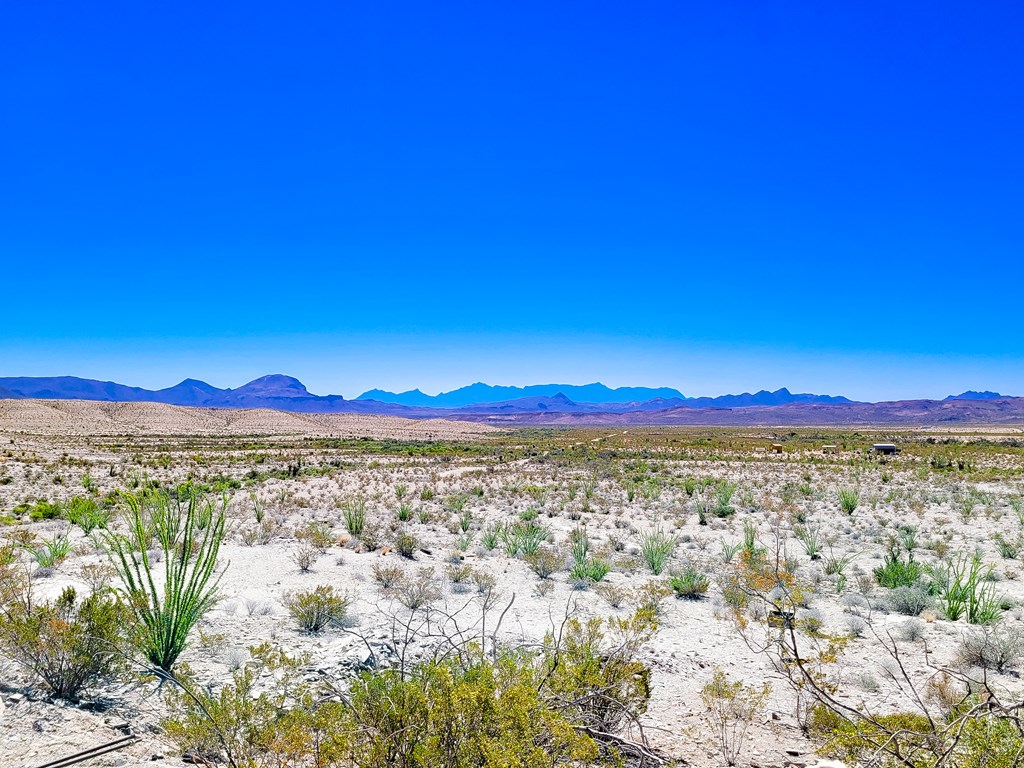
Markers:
68,644
318,609
732,707
553,708
545,562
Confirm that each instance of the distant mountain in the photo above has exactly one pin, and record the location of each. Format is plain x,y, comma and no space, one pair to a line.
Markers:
972,395
640,398
542,404
486,393
6,394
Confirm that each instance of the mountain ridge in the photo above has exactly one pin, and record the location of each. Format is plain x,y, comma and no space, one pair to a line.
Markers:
540,403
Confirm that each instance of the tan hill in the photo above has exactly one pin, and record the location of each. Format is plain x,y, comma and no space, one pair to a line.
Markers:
88,417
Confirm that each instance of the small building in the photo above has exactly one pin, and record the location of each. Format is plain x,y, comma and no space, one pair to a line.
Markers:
830,449
886,449
776,448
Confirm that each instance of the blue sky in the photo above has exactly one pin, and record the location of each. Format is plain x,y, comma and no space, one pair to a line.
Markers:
716,197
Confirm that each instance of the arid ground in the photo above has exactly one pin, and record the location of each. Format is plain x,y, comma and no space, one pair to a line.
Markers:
447,494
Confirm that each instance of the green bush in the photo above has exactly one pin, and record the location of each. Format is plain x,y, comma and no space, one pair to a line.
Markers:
87,514
317,609
68,644
690,584
966,593
589,570
723,498
45,510
981,740
49,553
354,513
552,708
896,572
524,537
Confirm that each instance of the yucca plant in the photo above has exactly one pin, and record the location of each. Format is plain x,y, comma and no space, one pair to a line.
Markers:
656,547
189,532
51,552
849,499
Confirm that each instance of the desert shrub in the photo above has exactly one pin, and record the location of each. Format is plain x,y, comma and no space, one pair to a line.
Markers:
373,536
849,500
305,556
45,510
616,596
690,583
96,575
910,631
595,672
417,592
657,547
981,740
994,648
909,601
317,535
486,713
850,740
8,555
545,562
406,544
189,533
68,644
319,608
896,572
87,514
732,707
404,513
459,574
589,570
388,576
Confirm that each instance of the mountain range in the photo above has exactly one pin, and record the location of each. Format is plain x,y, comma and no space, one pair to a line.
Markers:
538,404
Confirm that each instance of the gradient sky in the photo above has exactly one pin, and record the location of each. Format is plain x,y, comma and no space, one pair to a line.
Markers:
713,196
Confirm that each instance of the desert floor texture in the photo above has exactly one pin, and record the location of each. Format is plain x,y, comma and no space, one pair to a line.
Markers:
457,484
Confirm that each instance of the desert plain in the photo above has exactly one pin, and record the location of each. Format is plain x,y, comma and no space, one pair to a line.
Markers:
437,528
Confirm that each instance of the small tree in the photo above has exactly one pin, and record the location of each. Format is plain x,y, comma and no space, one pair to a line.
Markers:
189,533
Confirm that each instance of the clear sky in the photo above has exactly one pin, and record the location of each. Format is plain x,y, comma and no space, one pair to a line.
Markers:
713,196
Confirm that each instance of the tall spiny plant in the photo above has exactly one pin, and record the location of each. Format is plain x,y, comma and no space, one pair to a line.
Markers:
189,532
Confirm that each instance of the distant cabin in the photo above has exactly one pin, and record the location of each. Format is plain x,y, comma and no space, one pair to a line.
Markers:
776,448
830,449
886,449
